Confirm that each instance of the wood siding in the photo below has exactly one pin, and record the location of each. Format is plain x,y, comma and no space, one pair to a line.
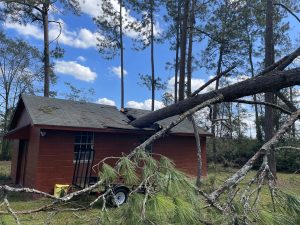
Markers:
23,120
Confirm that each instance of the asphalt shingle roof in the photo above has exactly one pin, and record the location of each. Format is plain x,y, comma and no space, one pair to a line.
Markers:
60,112
67,113
184,127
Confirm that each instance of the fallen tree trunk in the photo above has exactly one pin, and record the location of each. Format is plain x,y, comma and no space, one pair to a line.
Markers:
273,81
163,131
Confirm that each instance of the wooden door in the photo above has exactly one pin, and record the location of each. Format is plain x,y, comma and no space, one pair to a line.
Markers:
22,161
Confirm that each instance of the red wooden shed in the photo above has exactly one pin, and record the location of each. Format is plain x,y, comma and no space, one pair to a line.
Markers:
56,141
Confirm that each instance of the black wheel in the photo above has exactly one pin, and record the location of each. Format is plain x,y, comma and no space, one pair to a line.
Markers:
120,196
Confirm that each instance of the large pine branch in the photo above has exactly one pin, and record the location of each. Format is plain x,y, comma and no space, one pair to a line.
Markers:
275,80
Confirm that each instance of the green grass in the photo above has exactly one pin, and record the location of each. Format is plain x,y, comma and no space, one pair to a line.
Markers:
286,182
289,182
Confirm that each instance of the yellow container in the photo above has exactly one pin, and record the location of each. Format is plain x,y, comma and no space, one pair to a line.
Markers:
60,190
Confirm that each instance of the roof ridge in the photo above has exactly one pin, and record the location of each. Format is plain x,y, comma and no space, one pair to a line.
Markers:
68,100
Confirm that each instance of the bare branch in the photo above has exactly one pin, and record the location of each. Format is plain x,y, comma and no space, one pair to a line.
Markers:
27,190
289,10
224,73
282,63
263,103
62,199
286,101
240,174
11,211
287,147
60,30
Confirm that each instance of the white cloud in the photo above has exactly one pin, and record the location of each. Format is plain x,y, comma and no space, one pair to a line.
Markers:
297,60
195,84
81,58
29,30
117,71
236,79
75,70
249,119
145,105
82,38
93,9
106,101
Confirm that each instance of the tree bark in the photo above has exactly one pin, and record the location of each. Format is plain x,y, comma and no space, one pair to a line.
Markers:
152,56
198,147
190,49
257,121
215,106
293,131
189,91
46,49
183,50
273,81
269,96
121,52
177,50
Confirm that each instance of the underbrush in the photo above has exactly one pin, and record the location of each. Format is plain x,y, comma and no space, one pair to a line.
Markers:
4,171
236,152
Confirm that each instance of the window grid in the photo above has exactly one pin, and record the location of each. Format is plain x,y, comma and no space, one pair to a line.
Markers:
84,143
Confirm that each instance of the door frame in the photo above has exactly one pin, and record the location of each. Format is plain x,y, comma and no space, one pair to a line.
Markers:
22,162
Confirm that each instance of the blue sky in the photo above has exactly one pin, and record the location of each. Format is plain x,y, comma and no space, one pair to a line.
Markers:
78,40
84,67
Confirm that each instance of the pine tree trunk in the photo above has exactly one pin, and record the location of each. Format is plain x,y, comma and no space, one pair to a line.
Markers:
215,107
230,119
46,49
199,157
121,52
189,91
269,96
177,50
291,100
257,123
183,50
239,121
190,50
152,56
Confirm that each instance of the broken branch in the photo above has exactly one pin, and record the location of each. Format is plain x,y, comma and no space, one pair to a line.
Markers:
263,103
212,80
240,174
